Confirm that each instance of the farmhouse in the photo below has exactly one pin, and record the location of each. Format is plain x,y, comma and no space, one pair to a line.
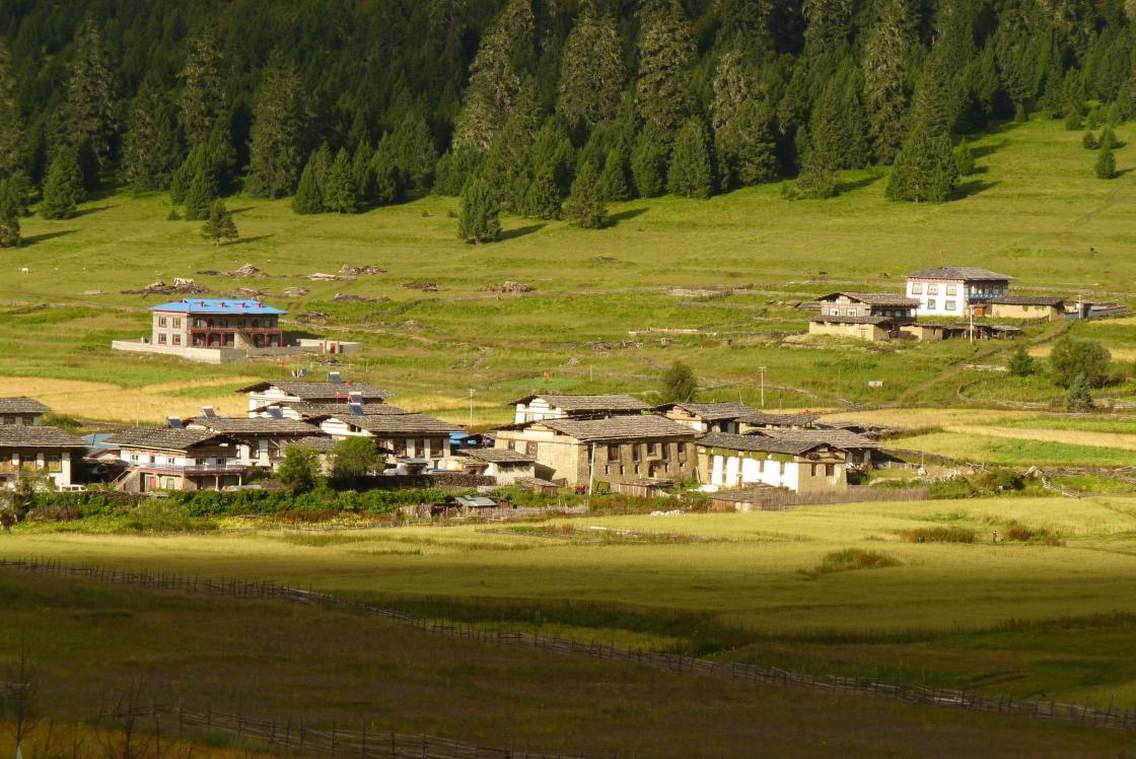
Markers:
617,450
23,411
260,441
504,465
803,466
162,458
1027,307
287,392
759,421
707,417
534,408
38,452
956,290
414,440
864,316
858,449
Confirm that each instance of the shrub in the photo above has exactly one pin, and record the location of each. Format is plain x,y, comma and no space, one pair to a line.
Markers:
1002,480
938,535
1022,364
1089,142
1071,358
851,559
1106,164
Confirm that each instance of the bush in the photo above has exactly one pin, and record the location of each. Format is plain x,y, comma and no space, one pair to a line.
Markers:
938,535
1021,363
1072,358
1089,142
851,559
1002,480
1106,164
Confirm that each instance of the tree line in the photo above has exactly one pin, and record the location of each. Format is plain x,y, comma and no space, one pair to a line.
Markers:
545,108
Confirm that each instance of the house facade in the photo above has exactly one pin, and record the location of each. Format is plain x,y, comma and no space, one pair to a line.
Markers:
160,458
956,291
285,393
1028,307
503,465
22,411
612,451
857,449
534,408
38,452
408,439
260,442
863,316
707,417
729,462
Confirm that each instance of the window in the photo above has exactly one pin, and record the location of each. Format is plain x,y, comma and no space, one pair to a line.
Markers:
916,288
161,338
177,322
682,451
161,321
531,449
176,339
829,470
666,451
932,289
652,449
613,453
635,453
511,445
951,305
932,304
952,289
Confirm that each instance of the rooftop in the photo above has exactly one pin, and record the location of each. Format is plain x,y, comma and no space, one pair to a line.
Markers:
498,456
829,319
759,443
710,411
162,438
21,436
619,428
843,439
218,306
762,419
22,405
875,299
320,391
255,425
572,403
971,273
400,424
316,443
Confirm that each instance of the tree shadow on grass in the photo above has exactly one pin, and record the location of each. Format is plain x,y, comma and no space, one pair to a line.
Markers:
627,215
1122,172
974,187
512,234
248,240
236,211
88,211
859,184
981,151
44,237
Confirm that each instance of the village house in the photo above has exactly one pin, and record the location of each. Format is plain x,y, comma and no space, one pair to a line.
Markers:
163,458
1028,307
612,451
758,421
502,464
858,450
322,445
260,441
40,453
956,291
25,411
730,461
534,408
707,417
284,393
863,316
411,440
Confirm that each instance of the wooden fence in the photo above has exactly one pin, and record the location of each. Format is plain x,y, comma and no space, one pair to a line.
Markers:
736,671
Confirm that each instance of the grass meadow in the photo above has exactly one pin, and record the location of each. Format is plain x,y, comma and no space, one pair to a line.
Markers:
740,262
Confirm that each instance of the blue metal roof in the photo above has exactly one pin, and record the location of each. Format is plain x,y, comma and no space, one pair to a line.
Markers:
217,306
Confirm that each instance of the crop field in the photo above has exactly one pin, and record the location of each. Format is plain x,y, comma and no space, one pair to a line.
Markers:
730,269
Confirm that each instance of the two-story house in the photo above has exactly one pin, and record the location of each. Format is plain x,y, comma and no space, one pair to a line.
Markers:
708,417
801,465
956,291
39,453
335,390
260,441
409,439
162,458
864,316
534,408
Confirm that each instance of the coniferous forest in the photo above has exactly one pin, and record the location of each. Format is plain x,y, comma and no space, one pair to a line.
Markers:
536,107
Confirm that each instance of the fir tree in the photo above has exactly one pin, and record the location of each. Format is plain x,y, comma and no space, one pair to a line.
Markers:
591,71
15,192
200,195
1022,49
679,384
1073,121
274,148
1022,364
690,173
219,227
552,152
415,154
203,94
585,207
1108,139
934,106
12,136
742,124
63,188
150,149
1106,164
666,55
543,198
362,174
839,124
9,217
91,100
887,85
182,177
614,182
648,162
746,23
309,193
925,169
816,181
384,169
480,219
507,166
1089,142
964,158
1079,397
339,192
455,169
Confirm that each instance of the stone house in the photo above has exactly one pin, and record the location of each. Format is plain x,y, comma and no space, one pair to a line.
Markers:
502,464
730,461
956,290
858,450
22,411
38,451
534,408
162,458
612,451
260,441
863,316
707,417
410,439
1028,307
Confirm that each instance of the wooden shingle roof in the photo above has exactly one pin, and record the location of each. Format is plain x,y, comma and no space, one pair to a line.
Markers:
710,411
875,299
400,424
498,456
588,403
763,419
22,405
161,438
965,273
842,439
321,391
28,436
759,443
636,427
254,426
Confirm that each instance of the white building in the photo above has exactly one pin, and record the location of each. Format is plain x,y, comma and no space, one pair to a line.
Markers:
727,461
535,408
955,290
334,391
39,453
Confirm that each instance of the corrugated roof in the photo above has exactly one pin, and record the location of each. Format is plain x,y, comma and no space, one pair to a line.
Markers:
219,307
163,438
636,427
973,273
578,403
254,425
711,411
22,405
321,391
498,456
758,443
37,436
875,299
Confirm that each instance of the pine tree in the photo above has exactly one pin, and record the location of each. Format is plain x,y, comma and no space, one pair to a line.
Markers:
552,152
614,181
666,56
9,217
200,195
925,169
203,93
1106,164
63,188
585,207
362,174
591,71
415,154
12,136
508,166
1079,397
91,107
964,158
1022,47
742,120
839,124
1108,138
690,173
339,192
219,227
648,162
388,179
480,219
309,193
816,181
887,85
1089,142
455,170
543,198
746,23
274,149
1022,364
150,149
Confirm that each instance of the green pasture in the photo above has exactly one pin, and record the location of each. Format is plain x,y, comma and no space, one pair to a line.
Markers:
987,449
1040,605
1035,211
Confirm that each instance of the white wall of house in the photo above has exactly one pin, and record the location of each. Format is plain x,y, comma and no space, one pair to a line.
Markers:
535,410
951,297
738,470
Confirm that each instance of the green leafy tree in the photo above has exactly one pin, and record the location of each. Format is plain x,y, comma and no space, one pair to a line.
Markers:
585,207
200,195
355,457
1022,364
63,188
1089,142
339,192
274,148
690,173
150,148
203,90
666,56
592,71
219,227
742,122
91,106
648,162
1079,396
679,384
887,80
300,469
480,219
1106,164
925,170
1073,358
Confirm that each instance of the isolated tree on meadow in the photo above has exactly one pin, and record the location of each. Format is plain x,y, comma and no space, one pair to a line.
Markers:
1108,139
480,219
679,384
219,227
690,173
1021,363
585,207
1089,141
1071,358
1105,167
63,188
